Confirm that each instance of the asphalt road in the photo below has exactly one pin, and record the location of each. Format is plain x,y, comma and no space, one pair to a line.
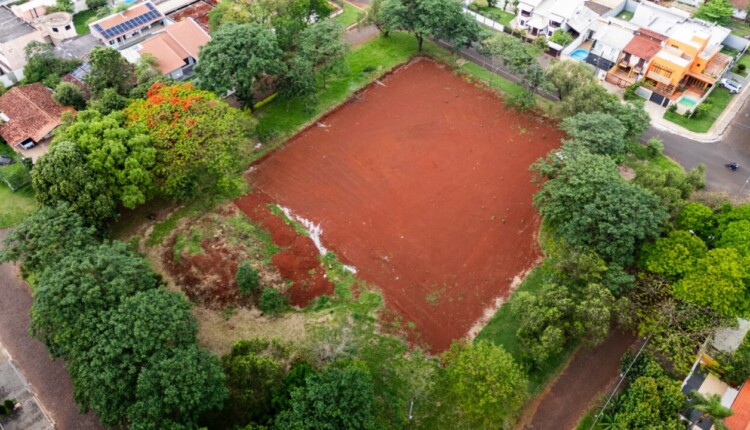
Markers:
49,379
734,146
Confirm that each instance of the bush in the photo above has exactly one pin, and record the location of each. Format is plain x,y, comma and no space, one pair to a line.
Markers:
741,67
95,4
561,37
655,146
688,114
271,301
630,92
702,110
10,404
247,278
68,94
672,107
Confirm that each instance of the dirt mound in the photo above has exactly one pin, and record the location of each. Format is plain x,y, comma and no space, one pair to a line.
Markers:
298,260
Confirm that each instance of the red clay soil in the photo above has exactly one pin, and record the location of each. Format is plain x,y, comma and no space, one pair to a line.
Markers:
422,184
590,374
298,260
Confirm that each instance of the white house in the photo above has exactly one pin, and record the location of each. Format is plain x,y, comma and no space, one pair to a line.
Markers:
740,8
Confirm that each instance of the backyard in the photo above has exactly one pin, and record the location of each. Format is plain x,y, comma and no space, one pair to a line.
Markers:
81,20
349,16
14,206
496,14
717,100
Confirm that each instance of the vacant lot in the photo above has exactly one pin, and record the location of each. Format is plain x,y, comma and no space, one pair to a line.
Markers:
421,183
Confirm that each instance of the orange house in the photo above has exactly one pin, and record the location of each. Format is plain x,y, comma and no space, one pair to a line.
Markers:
686,61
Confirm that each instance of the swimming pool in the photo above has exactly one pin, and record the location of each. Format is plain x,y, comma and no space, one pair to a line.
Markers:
688,102
580,54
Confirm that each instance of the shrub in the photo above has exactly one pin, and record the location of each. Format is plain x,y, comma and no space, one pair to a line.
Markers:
247,278
3,410
701,110
68,94
561,37
630,92
9,404
688,114
479,4
271,301
655,146
741,67
95,4
672,107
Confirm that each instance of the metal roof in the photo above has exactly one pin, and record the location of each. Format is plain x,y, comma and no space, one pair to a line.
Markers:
131,24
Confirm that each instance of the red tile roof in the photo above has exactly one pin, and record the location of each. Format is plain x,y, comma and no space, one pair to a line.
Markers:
741,407
739,4
31,113
643,45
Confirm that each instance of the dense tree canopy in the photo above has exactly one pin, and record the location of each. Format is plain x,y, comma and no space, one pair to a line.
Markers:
588,204
108,69
64,176
736,235
598,132
72,292
718,11
42,65
727,273
440,18
335,399
322,46
68,94
675,255
565,76
237,57
651,401
696,217
120,155
195,135
486,383
45,236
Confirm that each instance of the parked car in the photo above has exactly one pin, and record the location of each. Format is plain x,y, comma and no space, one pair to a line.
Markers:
734,87
4,161
28,144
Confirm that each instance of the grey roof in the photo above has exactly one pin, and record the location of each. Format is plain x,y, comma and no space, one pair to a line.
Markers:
80,47
12,26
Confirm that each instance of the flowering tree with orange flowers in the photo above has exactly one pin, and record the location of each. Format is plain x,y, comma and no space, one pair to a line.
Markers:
196,136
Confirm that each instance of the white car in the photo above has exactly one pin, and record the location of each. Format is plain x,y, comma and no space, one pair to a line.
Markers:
734,87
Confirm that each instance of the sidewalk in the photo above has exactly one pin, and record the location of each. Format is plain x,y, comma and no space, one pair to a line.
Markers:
32,415
717,130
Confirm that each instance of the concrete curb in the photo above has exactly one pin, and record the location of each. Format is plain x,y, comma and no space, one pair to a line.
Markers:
30,388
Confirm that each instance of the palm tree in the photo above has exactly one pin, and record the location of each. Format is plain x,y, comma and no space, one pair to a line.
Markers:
710,407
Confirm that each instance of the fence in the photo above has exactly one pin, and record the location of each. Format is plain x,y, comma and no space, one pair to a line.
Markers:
484,20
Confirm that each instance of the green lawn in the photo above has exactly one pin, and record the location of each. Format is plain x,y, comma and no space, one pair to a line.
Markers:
625,15
502,329
497,15
15,206
349,16
739,28
81,20
745,59
719,100
279,119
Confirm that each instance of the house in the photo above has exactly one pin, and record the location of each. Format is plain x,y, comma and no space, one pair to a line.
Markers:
740,420
175,49
740,8
58,26
127,26
14,36
606,38
197,11
32,9
28,114
544,17
691,58
635,57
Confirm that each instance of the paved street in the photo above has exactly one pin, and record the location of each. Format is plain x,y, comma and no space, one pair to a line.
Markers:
48,379
733,146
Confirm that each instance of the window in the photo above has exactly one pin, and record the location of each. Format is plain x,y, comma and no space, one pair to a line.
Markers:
111,42
67,27
55,30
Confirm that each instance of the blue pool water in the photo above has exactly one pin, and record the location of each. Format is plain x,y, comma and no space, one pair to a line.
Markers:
580,54
687,101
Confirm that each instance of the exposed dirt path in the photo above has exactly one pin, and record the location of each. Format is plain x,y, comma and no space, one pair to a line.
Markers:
48,379
588,375
356,36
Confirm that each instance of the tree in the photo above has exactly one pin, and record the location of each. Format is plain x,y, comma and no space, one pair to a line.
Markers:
372,16
119,155
697,218
710,407
675,255
487,385
672,186
108,101
95,4
177,389
272,301
565,76
587,99
109,69
718,11
649,400
727,272
514,55
62,6
195,135
439,18
736,365
588,204
42,63
633,116
336,399
296,83
143,330
247,278
46,235
322,45
84,282
255,370
600,133
63,176
68,94
237,57
737,236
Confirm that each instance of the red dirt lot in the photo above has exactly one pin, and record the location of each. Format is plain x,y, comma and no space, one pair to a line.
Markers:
422,184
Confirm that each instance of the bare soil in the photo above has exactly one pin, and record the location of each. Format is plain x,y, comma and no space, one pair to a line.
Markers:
421,183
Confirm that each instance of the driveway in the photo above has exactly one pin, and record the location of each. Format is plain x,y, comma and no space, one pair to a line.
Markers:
734,146
48,379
